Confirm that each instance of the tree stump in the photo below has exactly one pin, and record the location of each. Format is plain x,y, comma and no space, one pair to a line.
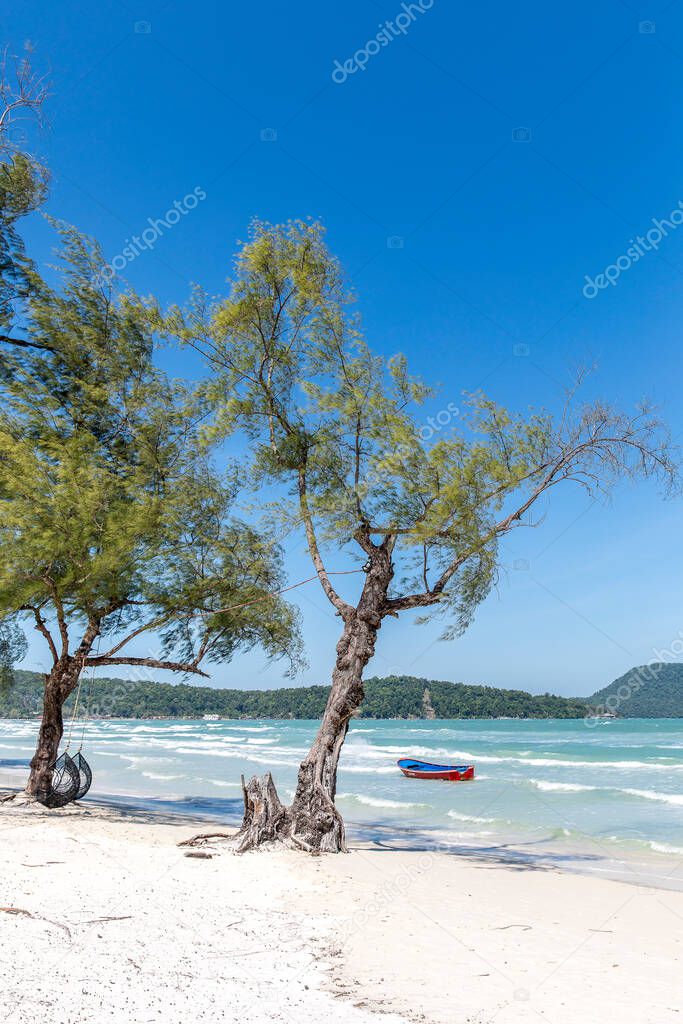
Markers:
266,820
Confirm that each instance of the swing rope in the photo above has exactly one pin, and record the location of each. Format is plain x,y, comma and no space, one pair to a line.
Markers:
77,702
86,716
73,715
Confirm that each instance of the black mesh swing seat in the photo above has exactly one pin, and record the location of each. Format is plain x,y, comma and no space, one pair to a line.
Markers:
71,776
66,782
85,775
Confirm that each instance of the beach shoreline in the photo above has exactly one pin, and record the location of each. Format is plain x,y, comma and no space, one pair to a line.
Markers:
124,926
606,801
632,864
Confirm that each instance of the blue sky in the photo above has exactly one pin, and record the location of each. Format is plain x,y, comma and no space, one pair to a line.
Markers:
484,161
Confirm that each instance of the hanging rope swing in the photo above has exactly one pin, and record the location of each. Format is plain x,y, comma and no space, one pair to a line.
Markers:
72,776
84,769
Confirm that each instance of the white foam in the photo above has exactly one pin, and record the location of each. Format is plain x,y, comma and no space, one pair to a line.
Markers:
136,759
470,817
371,801
162,730
452,838
649,794
665,847
243,754
561,787
541,762
575,787
550,763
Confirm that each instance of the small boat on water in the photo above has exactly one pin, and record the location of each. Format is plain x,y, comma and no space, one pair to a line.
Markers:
424,770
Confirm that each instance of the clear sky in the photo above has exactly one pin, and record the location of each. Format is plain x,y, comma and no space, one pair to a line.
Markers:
472,165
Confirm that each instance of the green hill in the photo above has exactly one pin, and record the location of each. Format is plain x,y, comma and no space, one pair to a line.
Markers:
393,697
650,691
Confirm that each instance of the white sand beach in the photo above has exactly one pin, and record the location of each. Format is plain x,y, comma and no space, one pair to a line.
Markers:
104,918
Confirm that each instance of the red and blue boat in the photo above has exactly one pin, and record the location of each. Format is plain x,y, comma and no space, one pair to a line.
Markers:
447,772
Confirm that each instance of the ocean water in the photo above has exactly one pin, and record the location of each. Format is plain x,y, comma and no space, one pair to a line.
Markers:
615,788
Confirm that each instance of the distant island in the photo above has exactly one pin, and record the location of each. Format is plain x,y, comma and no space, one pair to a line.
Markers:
391,697
649,691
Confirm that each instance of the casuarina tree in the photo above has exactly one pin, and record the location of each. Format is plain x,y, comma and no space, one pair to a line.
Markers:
336,434
23,182
119,542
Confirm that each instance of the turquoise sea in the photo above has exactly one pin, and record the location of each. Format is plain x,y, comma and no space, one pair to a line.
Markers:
613,790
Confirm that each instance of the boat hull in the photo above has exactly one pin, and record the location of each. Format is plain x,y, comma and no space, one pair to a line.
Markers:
413,769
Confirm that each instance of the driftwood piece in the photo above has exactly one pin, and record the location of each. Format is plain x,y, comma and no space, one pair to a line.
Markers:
45,865
203,837
35,917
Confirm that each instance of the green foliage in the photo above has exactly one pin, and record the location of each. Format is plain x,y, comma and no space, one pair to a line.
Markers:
23,181
338,428
650,691
296,374
403,697
22,190
111,514
13,648
393,697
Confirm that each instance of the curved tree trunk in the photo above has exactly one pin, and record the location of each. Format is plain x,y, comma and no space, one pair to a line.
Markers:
59,685
313,822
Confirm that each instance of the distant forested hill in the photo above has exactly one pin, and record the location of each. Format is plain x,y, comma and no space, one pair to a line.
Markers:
393,697
651,691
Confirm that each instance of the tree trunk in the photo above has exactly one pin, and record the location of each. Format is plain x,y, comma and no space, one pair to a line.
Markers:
59,684
313,822
316,823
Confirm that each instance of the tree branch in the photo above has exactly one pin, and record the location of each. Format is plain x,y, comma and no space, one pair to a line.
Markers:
572,462
362,537
42,628
430,597
61,618
171,666
159,621
91,633
342,607
22,343
27,92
